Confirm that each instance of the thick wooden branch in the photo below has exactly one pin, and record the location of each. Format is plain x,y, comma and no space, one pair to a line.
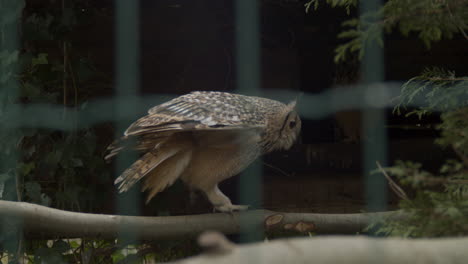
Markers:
47,222
332,250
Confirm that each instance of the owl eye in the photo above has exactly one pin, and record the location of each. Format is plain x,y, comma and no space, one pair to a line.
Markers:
292,124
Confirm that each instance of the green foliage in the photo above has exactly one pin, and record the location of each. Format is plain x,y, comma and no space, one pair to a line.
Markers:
430,20
348,4
435,90
440,206
52,168
103,251
360,35
434,211
438,90
62,169
454,131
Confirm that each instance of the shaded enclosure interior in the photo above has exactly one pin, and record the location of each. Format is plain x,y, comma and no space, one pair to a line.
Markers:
189,45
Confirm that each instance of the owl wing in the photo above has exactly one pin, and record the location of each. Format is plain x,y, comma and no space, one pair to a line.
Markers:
161,135
187,113
196,111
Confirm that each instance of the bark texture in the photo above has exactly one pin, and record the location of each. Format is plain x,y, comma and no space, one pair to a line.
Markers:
47,222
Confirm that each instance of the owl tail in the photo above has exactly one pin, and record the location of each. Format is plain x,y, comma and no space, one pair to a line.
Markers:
166,158
142,167
113,149
142,143
166,173
160,167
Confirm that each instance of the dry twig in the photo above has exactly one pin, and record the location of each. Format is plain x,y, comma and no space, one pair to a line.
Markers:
395,188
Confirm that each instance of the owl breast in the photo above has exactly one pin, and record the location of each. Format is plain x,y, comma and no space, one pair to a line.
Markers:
217,157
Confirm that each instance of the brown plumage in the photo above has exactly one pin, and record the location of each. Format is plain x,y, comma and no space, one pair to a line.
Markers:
204,138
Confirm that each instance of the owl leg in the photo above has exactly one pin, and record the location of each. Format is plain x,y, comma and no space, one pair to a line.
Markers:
221,202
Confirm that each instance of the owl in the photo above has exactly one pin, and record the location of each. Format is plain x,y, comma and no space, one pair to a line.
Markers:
204,138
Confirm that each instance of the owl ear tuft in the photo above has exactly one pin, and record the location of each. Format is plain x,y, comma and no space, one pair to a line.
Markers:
292,105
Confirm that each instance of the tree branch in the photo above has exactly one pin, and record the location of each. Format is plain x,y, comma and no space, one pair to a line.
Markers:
46,223
395,188
332,249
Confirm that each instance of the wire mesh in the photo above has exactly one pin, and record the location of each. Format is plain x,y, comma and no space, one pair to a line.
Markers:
12,229
373,97
127,83
248,82
375,145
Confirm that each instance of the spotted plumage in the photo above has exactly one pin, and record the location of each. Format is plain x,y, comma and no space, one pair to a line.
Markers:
204,138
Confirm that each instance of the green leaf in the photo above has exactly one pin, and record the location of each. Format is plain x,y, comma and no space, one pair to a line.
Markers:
26,168
76,162
41,59
453,212
74,244
117,256
54,157
61,246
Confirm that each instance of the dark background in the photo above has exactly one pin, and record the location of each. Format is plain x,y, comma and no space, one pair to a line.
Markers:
189,45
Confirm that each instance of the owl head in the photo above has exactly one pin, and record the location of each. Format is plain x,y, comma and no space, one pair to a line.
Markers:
287,126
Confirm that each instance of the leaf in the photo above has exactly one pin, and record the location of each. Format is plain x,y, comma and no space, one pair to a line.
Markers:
26,168
453,212
76,162
309,4
41,59
74,243
61,246
117,256
54,157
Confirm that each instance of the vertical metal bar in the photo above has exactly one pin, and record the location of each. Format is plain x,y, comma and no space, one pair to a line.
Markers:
247,46
127,82
248,82
11,230
375,136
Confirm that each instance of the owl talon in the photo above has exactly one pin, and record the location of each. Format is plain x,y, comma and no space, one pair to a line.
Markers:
229,208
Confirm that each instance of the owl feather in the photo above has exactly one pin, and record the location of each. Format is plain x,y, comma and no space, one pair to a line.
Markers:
204,138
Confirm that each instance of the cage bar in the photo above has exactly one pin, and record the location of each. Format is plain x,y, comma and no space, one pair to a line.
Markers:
127,83
248,82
